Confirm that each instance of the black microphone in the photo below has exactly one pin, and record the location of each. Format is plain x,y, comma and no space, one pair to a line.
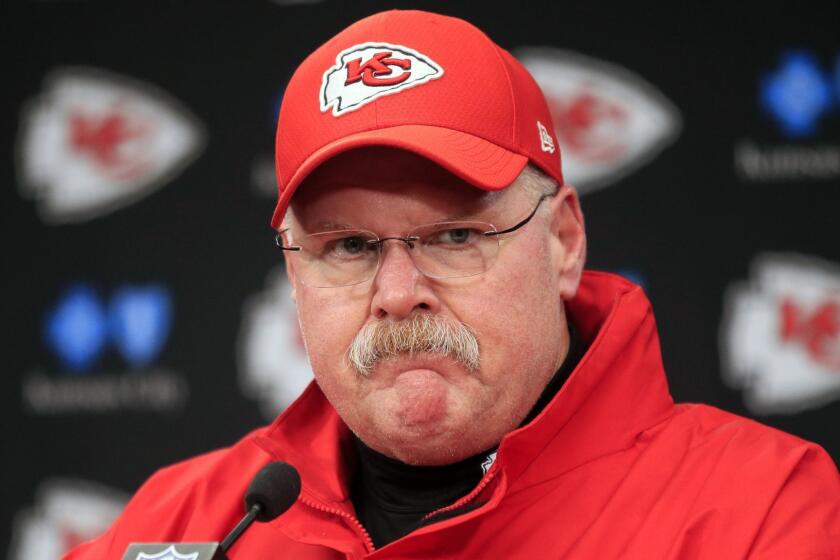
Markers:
273,490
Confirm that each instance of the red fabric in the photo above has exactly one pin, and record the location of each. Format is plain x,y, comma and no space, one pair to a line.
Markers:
611,468
478,119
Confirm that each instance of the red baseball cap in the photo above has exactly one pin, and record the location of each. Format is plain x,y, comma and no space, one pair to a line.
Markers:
431,84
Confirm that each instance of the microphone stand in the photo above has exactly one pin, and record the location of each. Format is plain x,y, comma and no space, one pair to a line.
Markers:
246,521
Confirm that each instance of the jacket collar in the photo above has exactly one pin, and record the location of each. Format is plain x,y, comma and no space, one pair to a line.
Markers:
617,391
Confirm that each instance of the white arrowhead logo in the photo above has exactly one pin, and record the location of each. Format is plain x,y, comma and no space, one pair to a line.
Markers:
780,340
608,120
94,141
273,366
367,71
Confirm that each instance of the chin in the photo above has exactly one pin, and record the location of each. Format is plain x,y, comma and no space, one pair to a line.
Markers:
429,455
429,446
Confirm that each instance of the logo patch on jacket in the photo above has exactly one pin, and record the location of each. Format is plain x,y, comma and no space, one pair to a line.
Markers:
488,462
367,71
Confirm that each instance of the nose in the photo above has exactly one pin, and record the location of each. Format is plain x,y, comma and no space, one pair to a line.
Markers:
399,287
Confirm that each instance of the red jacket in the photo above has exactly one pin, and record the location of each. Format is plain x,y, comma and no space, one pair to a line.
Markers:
610,469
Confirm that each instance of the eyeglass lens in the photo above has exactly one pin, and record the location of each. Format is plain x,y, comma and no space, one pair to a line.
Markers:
445,250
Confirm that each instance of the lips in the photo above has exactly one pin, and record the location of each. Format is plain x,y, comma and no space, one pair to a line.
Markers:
436,363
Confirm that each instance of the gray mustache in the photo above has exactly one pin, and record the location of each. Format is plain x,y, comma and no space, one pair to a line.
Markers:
421,333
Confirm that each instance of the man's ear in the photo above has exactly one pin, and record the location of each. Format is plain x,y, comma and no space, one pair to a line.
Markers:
567,228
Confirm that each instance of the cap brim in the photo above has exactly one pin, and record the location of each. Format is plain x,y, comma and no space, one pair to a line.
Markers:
475,160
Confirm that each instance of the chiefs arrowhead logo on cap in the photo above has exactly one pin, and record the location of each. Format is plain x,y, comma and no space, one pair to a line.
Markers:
370,70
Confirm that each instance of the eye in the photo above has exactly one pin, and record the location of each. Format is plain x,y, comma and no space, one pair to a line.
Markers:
347,247
454,237
351,245
458,236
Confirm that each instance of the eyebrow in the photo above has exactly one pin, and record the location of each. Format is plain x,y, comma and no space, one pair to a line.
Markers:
340,226
479,216
487,204
332,226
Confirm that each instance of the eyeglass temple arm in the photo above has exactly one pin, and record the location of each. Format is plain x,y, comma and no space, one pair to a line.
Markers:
523,222
408,240
279,242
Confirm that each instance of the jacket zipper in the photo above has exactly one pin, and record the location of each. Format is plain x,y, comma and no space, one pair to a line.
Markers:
466,499
361,529
352,519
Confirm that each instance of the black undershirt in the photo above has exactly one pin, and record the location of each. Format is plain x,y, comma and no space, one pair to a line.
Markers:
392,498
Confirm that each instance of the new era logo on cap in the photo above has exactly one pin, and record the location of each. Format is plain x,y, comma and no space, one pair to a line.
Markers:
369,70
546,141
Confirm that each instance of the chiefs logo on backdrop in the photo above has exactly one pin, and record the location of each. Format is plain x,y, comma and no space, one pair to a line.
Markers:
273,367
65,513
608,120
370,70
93,142
781,334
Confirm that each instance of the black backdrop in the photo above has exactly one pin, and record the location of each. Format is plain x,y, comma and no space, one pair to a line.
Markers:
688,224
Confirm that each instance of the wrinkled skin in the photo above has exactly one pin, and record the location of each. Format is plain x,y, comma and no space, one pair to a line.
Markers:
429,409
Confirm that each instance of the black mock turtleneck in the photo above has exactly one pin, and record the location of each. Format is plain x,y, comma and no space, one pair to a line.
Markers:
392,498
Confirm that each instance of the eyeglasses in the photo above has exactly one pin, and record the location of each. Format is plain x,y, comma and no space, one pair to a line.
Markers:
346,257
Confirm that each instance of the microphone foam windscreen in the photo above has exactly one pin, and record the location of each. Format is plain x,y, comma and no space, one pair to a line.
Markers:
275,487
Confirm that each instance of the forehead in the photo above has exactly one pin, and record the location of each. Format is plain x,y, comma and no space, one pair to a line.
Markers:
380,182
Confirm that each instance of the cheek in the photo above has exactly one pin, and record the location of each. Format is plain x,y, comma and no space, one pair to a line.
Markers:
329,319
517,314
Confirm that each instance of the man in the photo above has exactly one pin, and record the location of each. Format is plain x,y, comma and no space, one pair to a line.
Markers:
477,395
